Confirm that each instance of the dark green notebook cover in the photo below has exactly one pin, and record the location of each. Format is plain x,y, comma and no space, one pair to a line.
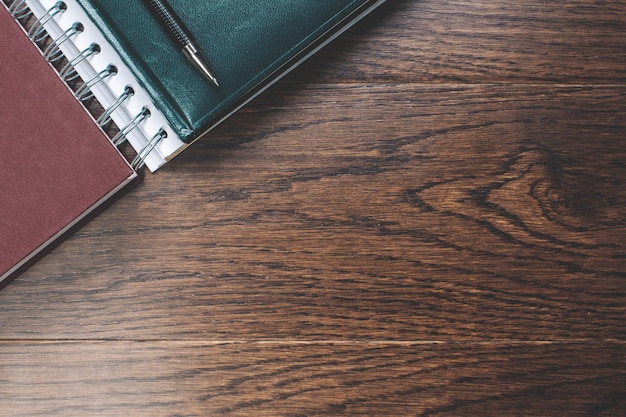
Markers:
249,44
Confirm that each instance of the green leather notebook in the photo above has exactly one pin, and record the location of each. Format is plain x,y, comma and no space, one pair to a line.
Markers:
249,44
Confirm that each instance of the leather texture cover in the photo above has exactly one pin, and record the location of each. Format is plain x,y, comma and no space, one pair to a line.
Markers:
247,43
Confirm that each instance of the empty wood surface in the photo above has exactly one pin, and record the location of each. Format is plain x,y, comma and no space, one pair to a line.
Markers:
427,218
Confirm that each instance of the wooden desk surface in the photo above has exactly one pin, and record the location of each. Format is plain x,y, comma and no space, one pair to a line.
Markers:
428,218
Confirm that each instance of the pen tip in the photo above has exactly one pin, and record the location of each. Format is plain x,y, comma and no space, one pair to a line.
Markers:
198,61
210,76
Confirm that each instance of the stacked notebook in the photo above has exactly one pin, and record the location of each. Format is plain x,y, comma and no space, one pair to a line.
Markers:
57,165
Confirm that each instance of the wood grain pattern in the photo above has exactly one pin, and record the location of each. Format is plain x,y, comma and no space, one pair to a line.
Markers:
428,218
529,41
197,379
438,221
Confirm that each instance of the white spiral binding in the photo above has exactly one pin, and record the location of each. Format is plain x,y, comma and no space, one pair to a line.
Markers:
140,159
68,72
104,77
53,53
19,10
105,117
38,32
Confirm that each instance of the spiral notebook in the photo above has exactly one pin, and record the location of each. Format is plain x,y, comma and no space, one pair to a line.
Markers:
116,52
56,165
146,83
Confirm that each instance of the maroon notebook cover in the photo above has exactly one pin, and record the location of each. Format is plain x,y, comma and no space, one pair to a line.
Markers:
56,164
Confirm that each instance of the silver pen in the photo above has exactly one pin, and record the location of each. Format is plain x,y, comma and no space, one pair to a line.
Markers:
181,36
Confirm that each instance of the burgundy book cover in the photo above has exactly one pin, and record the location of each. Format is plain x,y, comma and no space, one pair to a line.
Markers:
56,165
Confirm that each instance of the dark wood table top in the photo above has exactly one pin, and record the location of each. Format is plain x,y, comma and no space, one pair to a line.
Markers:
427,218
